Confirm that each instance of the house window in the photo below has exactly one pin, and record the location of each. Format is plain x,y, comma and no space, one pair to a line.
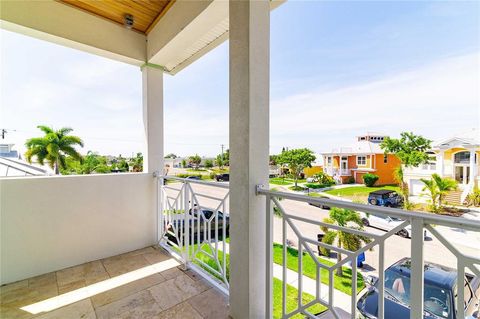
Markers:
361,160
385,159
329,160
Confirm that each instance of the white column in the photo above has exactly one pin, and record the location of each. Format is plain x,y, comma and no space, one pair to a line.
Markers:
249,149
152,81
472,167
440,163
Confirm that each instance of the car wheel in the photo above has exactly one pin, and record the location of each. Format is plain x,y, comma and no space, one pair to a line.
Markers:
365,222
373,201
403,233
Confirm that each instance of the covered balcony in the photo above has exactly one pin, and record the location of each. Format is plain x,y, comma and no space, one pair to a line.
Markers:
145,245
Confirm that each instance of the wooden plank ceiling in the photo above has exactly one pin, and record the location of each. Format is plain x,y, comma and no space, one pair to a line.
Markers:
146,13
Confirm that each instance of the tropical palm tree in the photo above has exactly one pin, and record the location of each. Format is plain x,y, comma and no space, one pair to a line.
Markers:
53,147
345,218
444,185
431,188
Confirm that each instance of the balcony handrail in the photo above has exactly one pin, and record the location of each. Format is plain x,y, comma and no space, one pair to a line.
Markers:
430,218
194,181
418,222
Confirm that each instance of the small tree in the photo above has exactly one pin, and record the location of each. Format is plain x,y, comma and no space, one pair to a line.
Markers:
195,160
412,150
370,179
184,163
343,217
171,155
297,160
208,163
437,188
219,161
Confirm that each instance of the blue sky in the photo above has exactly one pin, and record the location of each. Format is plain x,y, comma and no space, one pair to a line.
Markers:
338,69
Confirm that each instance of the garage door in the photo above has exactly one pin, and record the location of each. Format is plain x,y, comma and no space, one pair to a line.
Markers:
416,186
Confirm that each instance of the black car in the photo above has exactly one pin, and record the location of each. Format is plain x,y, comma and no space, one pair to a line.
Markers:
385,197
440,290
322,206
200,222
222,177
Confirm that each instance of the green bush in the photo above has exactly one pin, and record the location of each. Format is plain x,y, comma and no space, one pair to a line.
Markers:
351,180
323,178
212,175
186,175
370,179
317,186
473,199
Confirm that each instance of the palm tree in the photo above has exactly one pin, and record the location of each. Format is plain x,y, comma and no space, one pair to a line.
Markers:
345,218
53,147
431,188
444,185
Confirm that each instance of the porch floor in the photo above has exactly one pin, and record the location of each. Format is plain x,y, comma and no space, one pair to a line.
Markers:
145,283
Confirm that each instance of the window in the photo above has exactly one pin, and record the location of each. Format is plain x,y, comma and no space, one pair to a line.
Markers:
361,160
385,159
329,160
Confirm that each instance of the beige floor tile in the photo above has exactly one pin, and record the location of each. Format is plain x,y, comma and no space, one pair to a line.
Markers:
13,286
42,281
142,304
126,290
180,311
116,267
79,310
211,304
172,273
14,312
177,290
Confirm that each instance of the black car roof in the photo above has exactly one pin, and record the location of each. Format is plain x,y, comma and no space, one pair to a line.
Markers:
382,192
434,274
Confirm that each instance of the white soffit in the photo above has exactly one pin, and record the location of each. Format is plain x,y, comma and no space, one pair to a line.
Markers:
205,32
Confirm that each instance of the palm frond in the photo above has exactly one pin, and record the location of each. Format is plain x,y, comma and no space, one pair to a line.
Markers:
45,129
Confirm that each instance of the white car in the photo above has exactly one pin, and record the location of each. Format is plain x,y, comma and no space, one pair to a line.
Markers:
387,223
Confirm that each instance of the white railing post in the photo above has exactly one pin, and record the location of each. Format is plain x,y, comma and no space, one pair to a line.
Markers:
186,225
269,257
160,207
416,270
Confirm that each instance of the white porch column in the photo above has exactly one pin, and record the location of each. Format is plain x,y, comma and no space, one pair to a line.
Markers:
473,167
249,149
152,81
440,163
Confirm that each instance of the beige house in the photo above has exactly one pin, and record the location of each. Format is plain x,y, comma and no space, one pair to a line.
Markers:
456,157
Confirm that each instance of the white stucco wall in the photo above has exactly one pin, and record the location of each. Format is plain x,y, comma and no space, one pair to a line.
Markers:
49,223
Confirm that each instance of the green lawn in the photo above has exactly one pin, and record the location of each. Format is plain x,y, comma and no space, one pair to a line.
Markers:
343,284
359,193
285,181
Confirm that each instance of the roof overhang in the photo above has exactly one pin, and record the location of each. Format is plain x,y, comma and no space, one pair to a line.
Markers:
184,33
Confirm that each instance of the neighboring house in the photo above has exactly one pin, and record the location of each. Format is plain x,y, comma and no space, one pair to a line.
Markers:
455,157
12,165
348,164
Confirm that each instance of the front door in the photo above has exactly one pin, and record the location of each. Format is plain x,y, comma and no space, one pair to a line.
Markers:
343,165
462,173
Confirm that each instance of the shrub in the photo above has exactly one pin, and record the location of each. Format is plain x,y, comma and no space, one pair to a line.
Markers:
370,179
351,180
186,175
473,199
323,178
212,175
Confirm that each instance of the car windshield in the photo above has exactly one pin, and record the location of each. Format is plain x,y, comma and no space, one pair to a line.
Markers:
436,299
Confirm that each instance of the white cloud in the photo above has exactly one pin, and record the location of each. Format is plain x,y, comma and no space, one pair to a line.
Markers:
433,100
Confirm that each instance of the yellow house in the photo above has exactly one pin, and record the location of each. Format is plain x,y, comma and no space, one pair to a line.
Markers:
455,157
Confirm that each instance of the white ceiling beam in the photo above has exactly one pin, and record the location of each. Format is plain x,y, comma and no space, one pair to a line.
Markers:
62,24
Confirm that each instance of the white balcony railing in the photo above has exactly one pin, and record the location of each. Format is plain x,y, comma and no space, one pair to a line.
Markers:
417,221
203,245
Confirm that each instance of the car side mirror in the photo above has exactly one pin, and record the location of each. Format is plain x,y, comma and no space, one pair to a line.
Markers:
370,281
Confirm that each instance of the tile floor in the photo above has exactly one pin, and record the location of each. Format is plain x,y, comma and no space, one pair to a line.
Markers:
172,293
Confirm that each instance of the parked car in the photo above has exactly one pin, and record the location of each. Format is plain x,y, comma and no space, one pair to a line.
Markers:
386,223
322,206
197,178
385,197
222,177
440,290
199,221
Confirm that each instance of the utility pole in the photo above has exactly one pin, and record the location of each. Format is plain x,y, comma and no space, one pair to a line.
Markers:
222,149
4,131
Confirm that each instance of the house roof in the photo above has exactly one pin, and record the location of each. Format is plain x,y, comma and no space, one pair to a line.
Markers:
359,147
468,138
